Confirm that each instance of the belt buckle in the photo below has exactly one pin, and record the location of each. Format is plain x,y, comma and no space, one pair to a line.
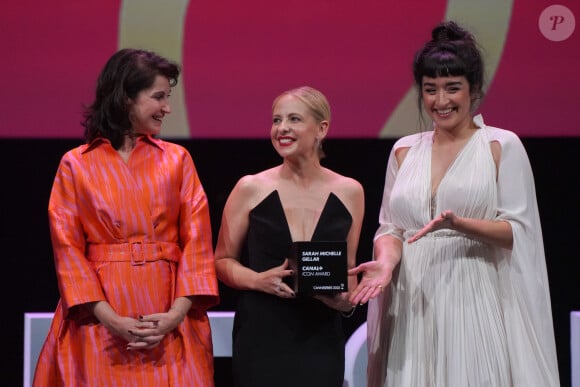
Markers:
137,251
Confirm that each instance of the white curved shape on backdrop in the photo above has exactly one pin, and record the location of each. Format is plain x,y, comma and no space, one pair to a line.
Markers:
158,26
489,21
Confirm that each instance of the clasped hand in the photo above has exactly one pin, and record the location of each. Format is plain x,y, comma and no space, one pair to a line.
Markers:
148,331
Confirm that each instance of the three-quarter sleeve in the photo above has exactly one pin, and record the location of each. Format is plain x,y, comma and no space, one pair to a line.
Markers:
196,271
77,281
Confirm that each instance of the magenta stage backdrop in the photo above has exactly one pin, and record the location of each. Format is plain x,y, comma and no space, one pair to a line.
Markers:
238,55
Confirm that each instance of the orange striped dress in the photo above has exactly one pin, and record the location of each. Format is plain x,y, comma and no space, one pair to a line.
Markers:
137,235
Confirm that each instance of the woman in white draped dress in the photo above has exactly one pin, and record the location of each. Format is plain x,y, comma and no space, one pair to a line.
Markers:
458,287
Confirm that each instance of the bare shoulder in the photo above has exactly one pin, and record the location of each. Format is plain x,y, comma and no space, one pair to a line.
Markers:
251,189
496,152
244,186
402,145
401,154
347,189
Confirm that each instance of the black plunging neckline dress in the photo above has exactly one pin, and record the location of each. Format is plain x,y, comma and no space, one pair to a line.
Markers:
287,342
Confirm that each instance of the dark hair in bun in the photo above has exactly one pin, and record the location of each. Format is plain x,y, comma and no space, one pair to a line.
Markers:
452,52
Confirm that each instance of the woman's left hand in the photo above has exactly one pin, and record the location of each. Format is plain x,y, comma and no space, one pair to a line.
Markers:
338,301
445,220
153,328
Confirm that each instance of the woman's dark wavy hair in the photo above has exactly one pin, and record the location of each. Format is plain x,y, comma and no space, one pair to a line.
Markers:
126,73
452,52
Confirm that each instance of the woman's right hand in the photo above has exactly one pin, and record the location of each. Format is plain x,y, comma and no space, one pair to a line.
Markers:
123,327
272,281
376,275
131,330
118,326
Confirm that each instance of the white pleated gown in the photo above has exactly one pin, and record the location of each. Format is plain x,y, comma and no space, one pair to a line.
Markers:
449,315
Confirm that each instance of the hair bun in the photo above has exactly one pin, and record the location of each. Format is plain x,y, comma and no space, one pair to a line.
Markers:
449,31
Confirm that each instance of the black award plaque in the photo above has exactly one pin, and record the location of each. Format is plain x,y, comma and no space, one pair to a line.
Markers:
319,267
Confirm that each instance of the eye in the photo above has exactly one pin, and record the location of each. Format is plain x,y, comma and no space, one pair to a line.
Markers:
429,90
276,120
294,119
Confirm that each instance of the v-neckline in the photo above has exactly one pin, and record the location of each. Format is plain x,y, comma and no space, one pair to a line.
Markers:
433,193
288,230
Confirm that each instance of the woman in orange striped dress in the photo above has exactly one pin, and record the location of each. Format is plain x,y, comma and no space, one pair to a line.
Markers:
132,244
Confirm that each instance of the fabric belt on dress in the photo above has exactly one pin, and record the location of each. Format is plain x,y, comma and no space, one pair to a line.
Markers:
135,252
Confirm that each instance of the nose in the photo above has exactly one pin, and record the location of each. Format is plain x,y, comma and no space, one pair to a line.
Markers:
284,129
166,108
441,98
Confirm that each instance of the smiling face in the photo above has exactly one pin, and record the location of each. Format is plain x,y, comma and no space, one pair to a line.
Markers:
295,131
447,100
150,106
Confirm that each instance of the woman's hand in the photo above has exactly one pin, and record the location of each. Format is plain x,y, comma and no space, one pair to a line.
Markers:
376,276
338,301
121,326
271,281
118,326
495,232
144,337
445,220
131,330
152,328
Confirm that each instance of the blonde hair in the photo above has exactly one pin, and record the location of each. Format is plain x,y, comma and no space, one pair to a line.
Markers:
314,100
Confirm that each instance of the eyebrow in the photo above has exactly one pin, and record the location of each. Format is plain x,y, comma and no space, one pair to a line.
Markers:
452,83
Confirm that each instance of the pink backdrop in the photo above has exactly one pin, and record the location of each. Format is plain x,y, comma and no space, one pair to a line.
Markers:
237,56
